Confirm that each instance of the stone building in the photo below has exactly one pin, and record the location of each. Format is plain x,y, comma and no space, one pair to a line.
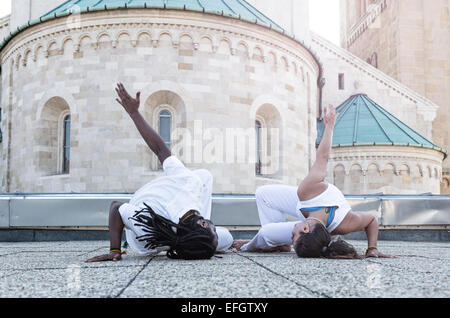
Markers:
373,151
409,41
233,86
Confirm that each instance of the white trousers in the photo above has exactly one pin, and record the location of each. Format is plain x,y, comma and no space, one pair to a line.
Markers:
273,202
224,237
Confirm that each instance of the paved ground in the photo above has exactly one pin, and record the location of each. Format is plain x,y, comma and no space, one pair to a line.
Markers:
57,269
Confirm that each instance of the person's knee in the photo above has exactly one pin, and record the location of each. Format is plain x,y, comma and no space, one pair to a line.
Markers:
267,233
261,192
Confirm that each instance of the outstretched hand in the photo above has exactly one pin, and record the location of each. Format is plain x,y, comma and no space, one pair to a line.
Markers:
130,104
107,257
330,115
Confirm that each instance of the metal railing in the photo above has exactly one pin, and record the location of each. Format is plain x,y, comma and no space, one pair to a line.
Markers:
91,210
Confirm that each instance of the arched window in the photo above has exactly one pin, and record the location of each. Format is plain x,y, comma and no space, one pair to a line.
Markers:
53,137
66,145
268,138
258,127
374,60
165,127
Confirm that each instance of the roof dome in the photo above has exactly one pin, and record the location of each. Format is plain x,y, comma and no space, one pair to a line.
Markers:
239,9
362,122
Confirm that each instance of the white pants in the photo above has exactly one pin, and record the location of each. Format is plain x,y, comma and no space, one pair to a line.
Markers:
273,202
224,237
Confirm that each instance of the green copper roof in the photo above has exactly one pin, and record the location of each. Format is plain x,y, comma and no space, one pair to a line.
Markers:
238,9
231,8
362,122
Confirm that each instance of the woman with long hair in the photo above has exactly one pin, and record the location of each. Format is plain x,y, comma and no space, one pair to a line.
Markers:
170,213
322,209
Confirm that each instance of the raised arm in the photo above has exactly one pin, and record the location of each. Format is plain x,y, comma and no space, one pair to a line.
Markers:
151,137
313,184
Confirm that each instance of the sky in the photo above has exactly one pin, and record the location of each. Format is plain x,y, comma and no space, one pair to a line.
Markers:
5,7
324,17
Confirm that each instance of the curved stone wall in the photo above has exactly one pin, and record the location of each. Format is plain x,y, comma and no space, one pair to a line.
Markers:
213,75
387,169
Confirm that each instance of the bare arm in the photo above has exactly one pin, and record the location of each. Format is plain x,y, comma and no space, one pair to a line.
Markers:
358,221
313,184
150,136
115,235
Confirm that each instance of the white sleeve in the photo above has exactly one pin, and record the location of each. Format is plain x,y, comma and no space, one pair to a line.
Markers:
173,166
271,235
127,211
225,239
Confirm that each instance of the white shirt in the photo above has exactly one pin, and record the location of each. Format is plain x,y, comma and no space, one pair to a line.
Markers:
178,191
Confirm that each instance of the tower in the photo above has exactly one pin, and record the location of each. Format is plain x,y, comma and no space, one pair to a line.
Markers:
23,11
292,15
409,41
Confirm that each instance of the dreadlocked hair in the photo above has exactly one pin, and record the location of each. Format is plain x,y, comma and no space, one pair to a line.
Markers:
318,243
189,241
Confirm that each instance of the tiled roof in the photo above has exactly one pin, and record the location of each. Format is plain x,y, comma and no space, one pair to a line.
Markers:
237,9
362,122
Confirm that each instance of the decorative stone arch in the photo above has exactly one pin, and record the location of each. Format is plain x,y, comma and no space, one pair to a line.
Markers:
225,46
404,170
436,173
157,101
85,37
186,41
356,177
302,73
18,60
389,173
258,54
390,166
285,63
52,49
243,49
294,67
26,56
122,38
39,47
269,111
339,175
48,138
122,33
373,166
272,58
99,43
49,94
165,39
429,172
446,183
64,42
143,38
206,43
417,171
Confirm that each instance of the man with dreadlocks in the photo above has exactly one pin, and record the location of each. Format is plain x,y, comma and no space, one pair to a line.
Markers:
170,213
